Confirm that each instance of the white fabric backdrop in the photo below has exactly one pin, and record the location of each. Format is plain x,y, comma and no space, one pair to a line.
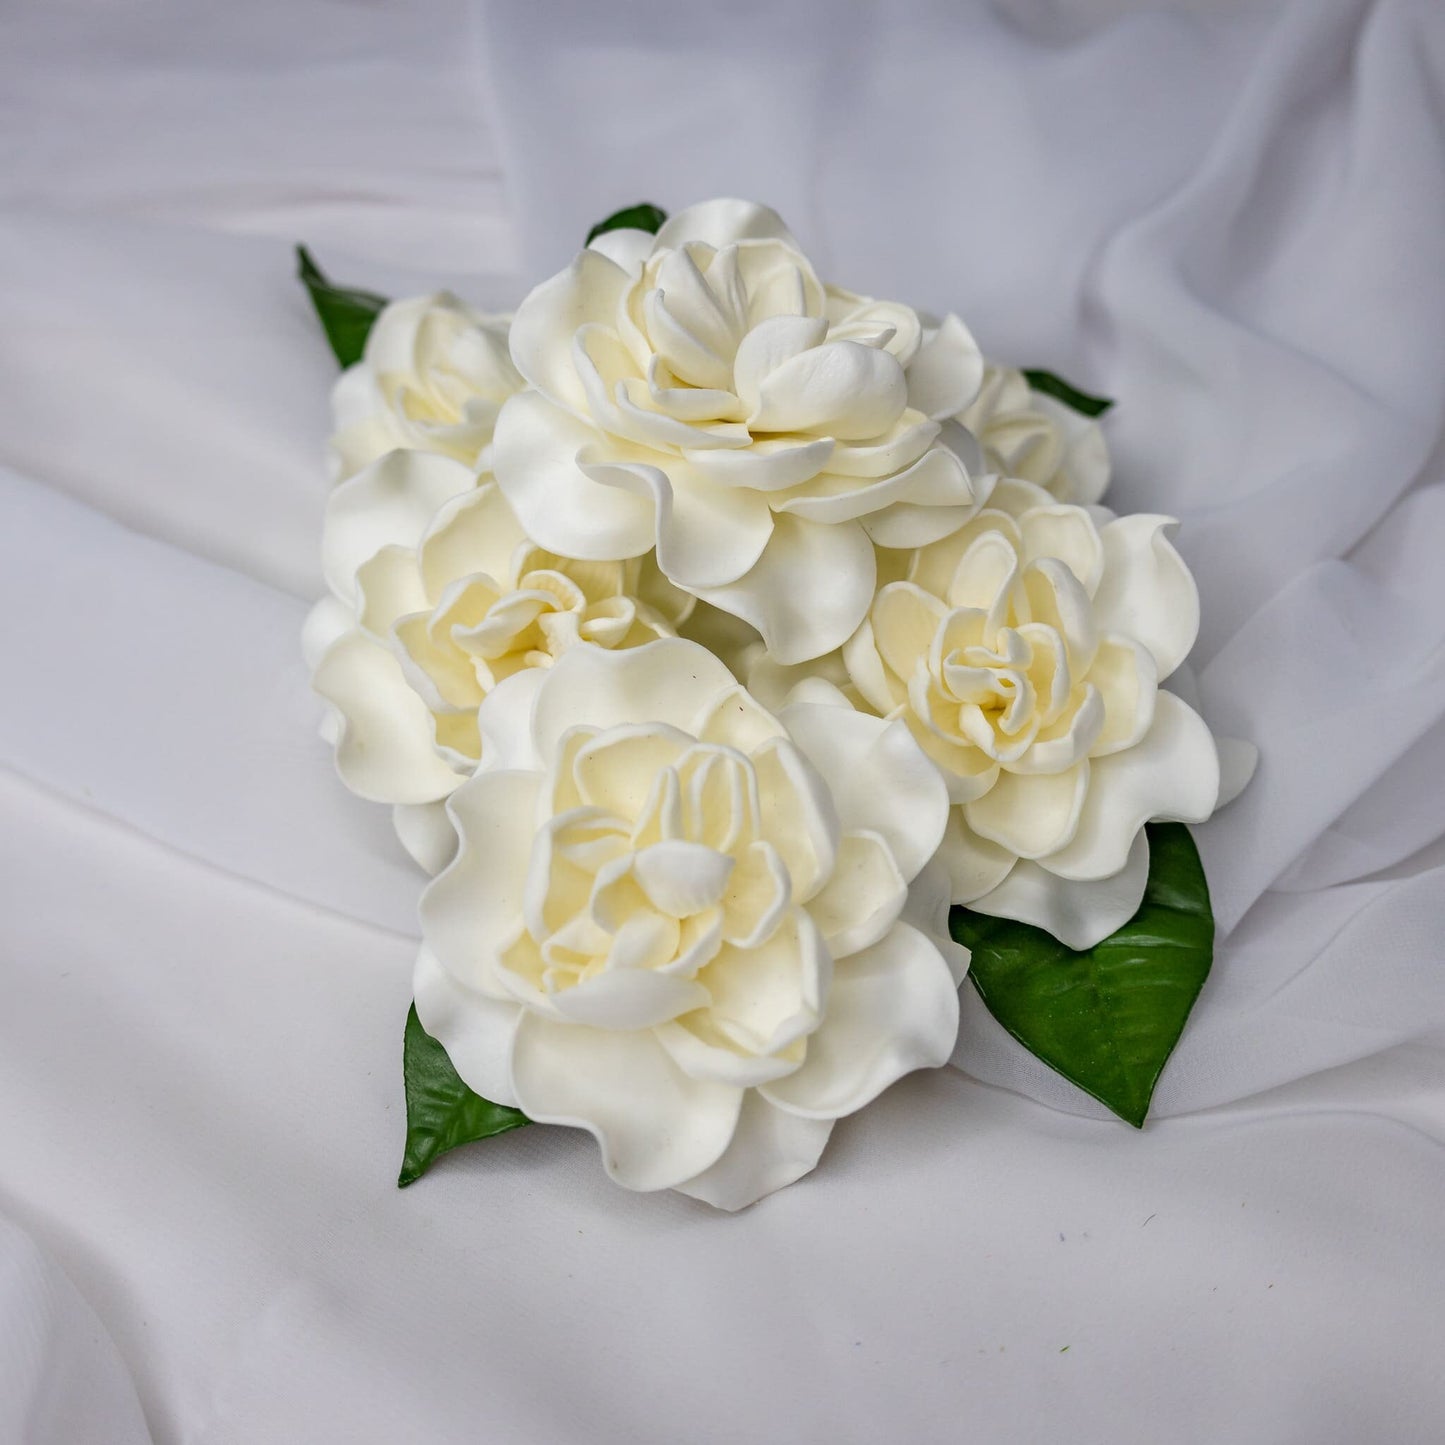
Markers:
1230,218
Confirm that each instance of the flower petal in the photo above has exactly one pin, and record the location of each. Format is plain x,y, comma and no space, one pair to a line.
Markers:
1125,674
476,532
388,586
905,619
390,503
1078,914
1032,813
947,372
758,894
476,1031
625,247
766,998
1147,592
1173,773
863,898
841,388
707,535
561,508
927,909
866,670
770,1149
588,292
765,348
807,592
903,525
616,769
892,1008
472,910
938,480
1069,534
386,749
327,620
880,780
974,863
504,722
682,878
796,815
721,222
657,1127
426,833
669,681
769,465
628,999
736,719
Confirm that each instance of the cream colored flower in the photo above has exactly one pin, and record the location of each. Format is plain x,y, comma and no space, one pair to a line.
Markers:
1026,434
1024,652
703,393
438,596
678,921
433,378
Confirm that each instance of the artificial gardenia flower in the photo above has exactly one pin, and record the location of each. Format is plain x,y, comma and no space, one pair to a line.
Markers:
677,920
1026,434
434,375
437,596
1024,652
701,391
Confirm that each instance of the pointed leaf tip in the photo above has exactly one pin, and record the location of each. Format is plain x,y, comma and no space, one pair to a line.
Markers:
442,1113
346,315
1108,1017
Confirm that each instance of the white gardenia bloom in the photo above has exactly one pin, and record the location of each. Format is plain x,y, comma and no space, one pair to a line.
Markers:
433,378
678,921
1026,434
703,392
1025,653
437,596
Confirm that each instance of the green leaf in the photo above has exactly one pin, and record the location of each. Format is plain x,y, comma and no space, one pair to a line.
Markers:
346,315
1060,390
1107,1018
441,1112
644,216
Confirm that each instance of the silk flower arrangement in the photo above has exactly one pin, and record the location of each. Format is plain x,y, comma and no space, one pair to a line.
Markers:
749,661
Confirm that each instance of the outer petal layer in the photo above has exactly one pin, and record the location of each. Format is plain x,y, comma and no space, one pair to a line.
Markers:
1078,914
1147,592
657,1127
669,681
893,1008
771,1149
809,590
535,455
385,748
476,1031
1173,773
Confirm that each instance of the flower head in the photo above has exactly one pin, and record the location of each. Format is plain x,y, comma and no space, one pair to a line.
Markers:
433,378
677,920
437,595
1024,652
1029,435
703,392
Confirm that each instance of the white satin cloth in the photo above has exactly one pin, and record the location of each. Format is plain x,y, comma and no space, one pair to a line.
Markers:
1229,217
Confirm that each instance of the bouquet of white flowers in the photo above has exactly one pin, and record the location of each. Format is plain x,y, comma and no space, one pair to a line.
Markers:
750,660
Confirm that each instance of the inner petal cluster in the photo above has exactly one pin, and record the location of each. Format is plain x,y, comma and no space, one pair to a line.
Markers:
666,885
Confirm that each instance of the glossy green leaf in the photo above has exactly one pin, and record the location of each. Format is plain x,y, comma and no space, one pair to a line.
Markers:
1106,1018
345,315
1060,390
441,1112
642,217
